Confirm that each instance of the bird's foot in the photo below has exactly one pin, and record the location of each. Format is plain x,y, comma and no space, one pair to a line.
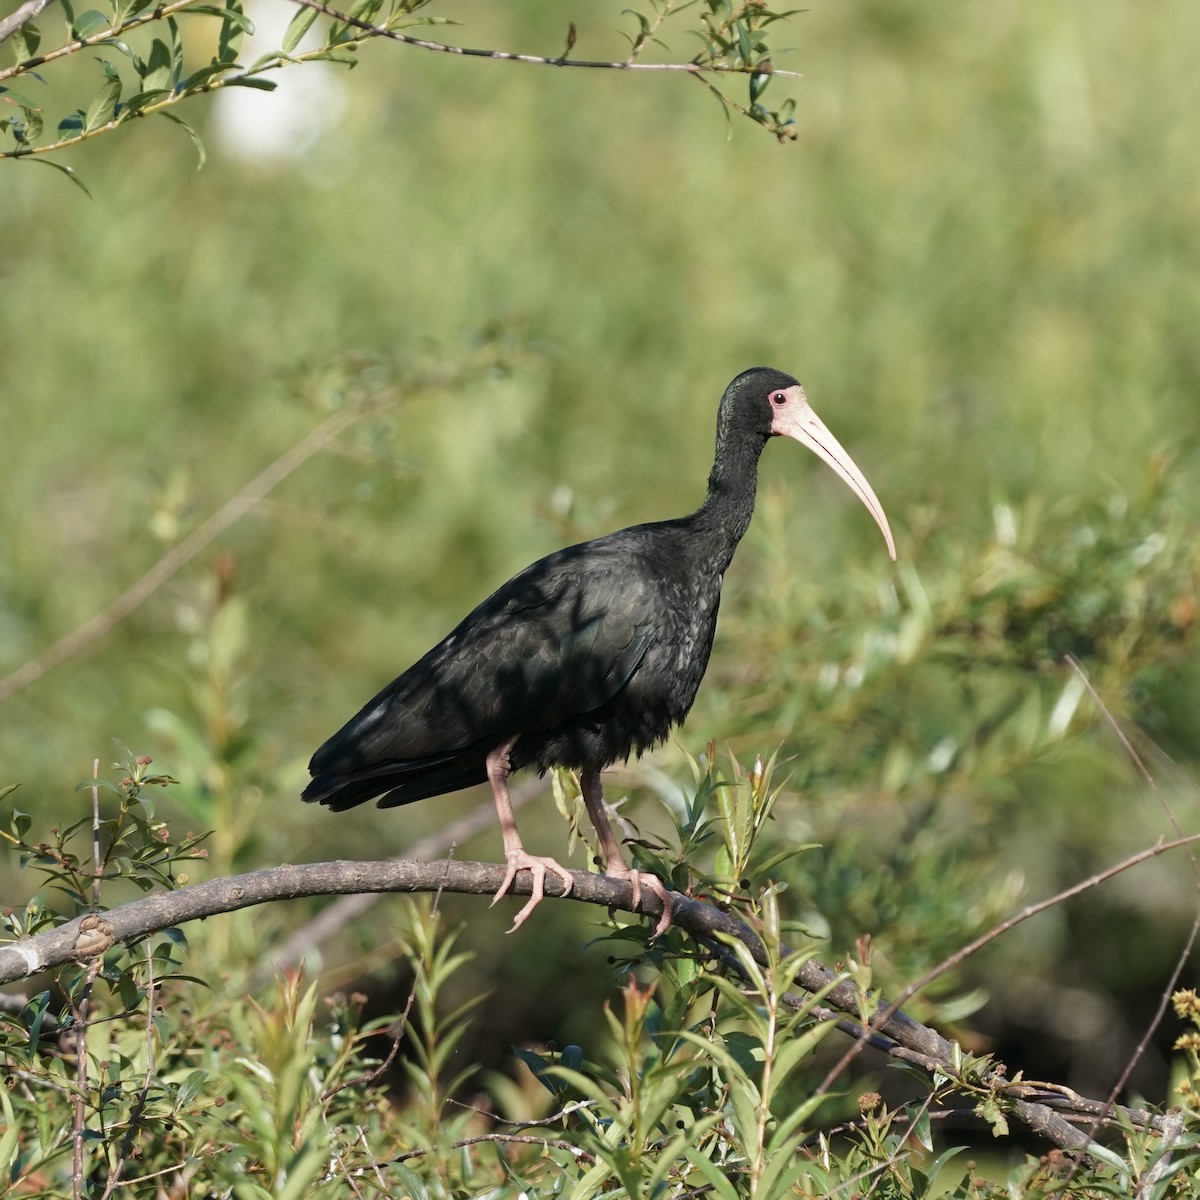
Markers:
537,866
652,883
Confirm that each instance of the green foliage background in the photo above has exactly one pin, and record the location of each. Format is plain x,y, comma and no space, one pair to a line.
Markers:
980,257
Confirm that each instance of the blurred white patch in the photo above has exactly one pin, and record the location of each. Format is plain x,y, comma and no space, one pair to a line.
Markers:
1065,706
1005,521
941,756
283,125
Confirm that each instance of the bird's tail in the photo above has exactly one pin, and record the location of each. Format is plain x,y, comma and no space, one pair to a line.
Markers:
396,783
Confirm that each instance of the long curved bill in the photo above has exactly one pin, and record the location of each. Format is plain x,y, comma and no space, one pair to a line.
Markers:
795,419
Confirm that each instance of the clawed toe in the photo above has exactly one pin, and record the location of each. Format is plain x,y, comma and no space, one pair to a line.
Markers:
537,867
652,883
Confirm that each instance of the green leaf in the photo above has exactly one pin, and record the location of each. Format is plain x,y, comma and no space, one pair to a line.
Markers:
26,41
142,100
234,25
32,128
11,1141
198,78
410,1183
17,98
300,24
201,153
90,23
67,171
36,1008
176,51
102,109
262,85
717,1179
156,70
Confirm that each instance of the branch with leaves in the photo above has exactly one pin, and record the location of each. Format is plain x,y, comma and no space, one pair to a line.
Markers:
869,1020
148,67
728,957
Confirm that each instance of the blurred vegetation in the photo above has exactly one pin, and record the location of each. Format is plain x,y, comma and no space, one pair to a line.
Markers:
978,254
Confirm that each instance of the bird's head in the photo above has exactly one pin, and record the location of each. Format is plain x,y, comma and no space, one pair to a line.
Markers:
773,404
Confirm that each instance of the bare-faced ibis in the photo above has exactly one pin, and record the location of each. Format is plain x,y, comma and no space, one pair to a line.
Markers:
589,654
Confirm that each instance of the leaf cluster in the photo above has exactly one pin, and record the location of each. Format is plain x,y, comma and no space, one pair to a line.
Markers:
147,66
158,1070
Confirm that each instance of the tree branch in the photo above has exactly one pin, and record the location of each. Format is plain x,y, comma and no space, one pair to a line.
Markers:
539,60
20,17
87,937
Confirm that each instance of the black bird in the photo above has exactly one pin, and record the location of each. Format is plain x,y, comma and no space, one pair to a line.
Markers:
589,654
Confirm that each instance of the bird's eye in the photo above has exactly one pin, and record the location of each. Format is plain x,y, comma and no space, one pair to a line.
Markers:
779,399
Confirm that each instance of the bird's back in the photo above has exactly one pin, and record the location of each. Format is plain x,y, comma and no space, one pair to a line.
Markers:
548,656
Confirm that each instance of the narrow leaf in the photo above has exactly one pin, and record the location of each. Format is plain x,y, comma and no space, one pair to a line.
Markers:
176,52
102,109
263,85
156,70
300,24
89,23
67,171
234,25
201,153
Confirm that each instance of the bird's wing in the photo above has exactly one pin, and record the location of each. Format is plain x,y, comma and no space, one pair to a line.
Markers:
556,641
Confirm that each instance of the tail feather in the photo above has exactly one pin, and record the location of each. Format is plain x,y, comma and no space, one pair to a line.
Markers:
397,783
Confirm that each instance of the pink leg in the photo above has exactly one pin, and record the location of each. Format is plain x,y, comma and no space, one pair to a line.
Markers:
614,858
515,855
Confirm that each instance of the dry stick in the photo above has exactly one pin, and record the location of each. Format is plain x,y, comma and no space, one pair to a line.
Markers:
139,1107
1189,942
334,917
96,869
878,1022
337,1158
229,513
91,934
519,1139
362,1137
79,1014
539,60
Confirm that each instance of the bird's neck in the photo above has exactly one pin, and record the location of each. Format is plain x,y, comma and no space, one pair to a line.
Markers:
725,514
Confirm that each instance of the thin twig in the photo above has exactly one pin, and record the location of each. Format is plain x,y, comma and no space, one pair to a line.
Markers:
362,1137
20,17
1134,756
341,1162
79,1016
1185,953
517,1138
1032,910
97,870
178,556
139,1106
539,60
